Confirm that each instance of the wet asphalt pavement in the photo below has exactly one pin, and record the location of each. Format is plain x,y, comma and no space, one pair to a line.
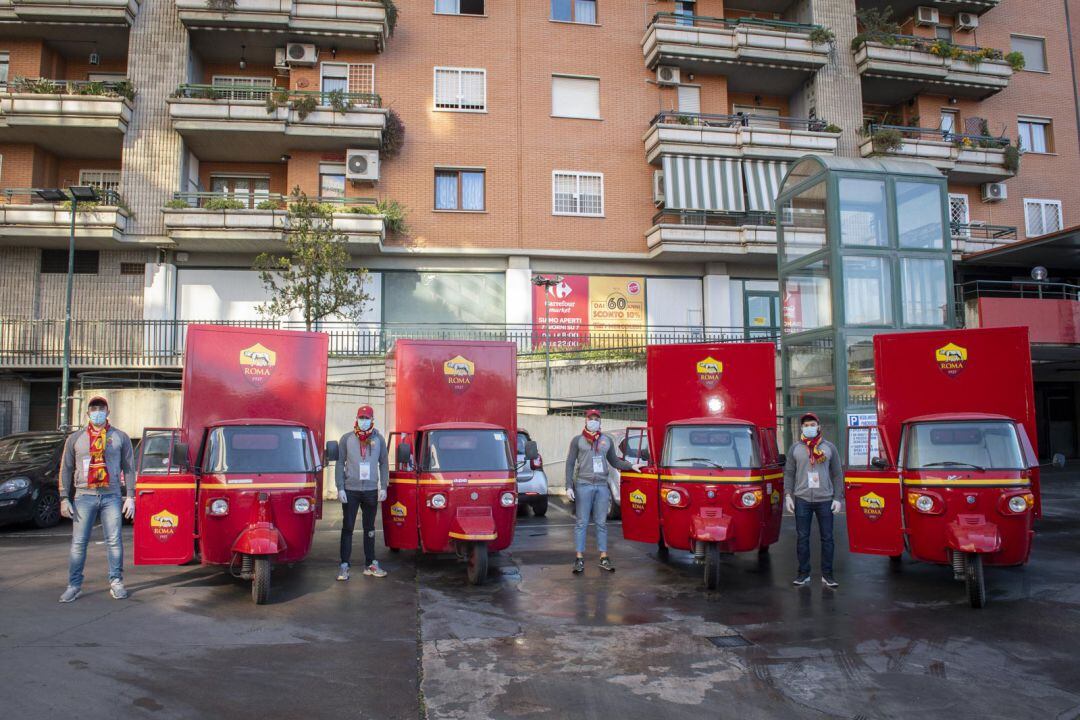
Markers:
536,642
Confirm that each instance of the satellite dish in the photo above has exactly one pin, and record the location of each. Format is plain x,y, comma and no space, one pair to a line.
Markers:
1039,273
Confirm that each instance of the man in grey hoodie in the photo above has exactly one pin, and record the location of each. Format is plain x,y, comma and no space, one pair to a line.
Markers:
814,485
361,476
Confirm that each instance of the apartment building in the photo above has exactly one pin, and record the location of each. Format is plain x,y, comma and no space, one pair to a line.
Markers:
633,148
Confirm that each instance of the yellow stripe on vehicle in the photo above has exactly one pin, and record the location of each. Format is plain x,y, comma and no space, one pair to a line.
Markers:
259,486
774,476
711,480
469,481
460,536
874,480
983,482
166,486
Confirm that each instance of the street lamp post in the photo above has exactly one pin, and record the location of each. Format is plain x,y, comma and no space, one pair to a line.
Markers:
547,282
80,193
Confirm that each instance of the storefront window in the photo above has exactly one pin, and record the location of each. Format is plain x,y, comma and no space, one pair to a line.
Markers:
860,371
802,222
807,298
918,215
444,298
867,291
924,291
863,212
810,374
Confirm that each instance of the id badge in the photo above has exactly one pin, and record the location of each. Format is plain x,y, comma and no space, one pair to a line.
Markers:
86,467
364,471
812,480
598,464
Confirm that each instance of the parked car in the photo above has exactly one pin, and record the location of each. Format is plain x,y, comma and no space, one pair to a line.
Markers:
636,450
532,484
29,470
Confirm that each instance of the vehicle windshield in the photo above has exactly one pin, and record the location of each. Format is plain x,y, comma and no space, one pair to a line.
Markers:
719,447
466,451
27,449
258,449
964,445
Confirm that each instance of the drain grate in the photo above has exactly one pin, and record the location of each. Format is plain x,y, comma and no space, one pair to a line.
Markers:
729,641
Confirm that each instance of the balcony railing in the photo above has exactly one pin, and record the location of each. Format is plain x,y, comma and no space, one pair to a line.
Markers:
89,88
30,196
997,234
739,120
731,23
961,140
1030,290
714,218
280,97
160,343
257,201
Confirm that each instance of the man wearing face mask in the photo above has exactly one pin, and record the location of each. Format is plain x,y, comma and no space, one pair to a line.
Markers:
361,475
93,459
588,461
814,481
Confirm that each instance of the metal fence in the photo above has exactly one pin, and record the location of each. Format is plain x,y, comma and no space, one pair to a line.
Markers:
717,218
970,140
736,120
256,199
232,92
731,23
32,196
160,343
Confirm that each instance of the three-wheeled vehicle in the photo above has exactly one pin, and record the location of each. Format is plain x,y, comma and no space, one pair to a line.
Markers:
718,484
241,478
452,407
950,472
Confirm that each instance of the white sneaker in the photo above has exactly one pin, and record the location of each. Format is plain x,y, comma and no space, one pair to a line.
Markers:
374,570
71,594
117,589
343,572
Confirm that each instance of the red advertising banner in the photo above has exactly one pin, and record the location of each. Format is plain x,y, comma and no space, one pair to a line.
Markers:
566,306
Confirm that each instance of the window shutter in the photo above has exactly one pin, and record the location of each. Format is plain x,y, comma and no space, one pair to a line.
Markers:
575,97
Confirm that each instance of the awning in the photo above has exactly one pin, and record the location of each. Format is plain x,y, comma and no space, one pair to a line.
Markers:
699,183
763,179
1058,251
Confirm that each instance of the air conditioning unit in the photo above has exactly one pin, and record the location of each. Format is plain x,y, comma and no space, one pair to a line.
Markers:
926,15
966,21
658,187
994,192
362,165
301,54
281,62
668,75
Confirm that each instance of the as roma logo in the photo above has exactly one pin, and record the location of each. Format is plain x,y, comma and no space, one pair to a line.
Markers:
459,372
257,363
951,359
709,371
872,505
163,525
638,500
398,513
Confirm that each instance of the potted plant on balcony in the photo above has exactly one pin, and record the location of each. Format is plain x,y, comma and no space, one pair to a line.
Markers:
393,135
393,213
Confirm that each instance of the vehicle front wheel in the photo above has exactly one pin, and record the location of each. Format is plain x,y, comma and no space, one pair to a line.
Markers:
46,510
260,583
477,558
712,566
539,506
973,579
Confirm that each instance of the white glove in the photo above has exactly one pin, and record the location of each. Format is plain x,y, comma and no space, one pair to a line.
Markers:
382,494
835,506
129,508
66,508
637,466
789,504
570,493
344,498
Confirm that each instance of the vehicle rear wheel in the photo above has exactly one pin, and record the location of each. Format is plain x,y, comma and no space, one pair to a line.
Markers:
46,510
477,558
539,506
712,566
973,578
260,583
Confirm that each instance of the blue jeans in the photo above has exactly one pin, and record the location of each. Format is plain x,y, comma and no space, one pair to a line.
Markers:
804,515
88,508
591,499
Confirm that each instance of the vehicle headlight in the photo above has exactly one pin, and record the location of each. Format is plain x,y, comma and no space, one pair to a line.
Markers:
1018,504
673,497
14,484
750,498
507,499
438,501
219,507
301,505
924,503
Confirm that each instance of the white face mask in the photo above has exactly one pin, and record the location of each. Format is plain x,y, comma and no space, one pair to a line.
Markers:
592,425
810,431
364,423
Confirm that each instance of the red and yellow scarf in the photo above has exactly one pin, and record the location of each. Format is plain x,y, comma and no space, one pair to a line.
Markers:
363,437
592,437
812,445
98,474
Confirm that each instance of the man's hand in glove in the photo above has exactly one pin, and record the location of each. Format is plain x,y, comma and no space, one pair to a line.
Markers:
789,504
129,508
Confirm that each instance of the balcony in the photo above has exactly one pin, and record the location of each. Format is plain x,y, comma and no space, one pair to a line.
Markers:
1050,311
906,8
695,235
27,221
69,118
975,237
69,11
965,158
238,124
768,57
737,136
903,65
353,24
217,222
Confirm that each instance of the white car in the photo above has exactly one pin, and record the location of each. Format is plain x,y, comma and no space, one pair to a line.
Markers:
532,483
632,453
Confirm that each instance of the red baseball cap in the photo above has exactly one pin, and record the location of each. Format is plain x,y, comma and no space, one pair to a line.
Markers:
365,411
809,416
97,400
592,412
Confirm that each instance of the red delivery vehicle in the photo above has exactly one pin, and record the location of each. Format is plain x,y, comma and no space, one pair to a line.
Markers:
240,482
950,472
718,484
452,407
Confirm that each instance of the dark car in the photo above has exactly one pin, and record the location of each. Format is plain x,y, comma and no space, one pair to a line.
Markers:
29,468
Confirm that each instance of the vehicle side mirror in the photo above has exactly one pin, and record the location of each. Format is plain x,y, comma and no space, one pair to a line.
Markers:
782,459
1058,460
531,450
879,463
179,455
331,451
404,454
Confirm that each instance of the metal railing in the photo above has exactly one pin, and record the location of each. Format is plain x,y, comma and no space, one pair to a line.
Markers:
739,120
255,200
1020,289
731,23
234,92
29,196
1000,233
714,218
160,343
49,86
922,43
960,139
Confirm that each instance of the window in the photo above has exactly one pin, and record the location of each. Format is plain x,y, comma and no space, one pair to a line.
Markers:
576,193
258,449
958,213
759,116
101,179
918,215
689,99
346,78
711,447
459,7
575,11
943,32
129,268
230,87
575,97
459,190
924,290
863,217
963,445
1041,217
1035,135
867,291
56,262
249,190
1033,50
685,11
331,180
461,89
466,450
807,298
5,66
950,120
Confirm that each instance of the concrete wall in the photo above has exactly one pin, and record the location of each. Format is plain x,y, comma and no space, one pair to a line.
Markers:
133,409
552,434
616,381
